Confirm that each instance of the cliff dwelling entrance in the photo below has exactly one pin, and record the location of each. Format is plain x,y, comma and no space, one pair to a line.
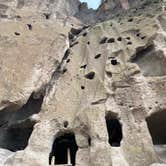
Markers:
64,150
16,124
157,127
151,62
114,129
15,139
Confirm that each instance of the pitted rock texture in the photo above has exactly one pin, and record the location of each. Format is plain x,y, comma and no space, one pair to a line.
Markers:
81,85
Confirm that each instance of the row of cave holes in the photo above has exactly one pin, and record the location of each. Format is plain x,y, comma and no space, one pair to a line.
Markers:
112,40
91,74
17,138
29,26
64,148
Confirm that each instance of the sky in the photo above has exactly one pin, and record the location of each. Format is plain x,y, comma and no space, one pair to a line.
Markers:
92,3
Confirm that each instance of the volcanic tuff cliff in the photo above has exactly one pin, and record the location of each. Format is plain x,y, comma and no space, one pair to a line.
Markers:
82,84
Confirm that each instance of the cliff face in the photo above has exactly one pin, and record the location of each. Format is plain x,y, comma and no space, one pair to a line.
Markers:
82,87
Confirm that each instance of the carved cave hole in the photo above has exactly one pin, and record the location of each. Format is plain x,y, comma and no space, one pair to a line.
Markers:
114,62
17,33
16,125
157,126
15,139
119,39
90,75
111,40
64,150
97,56
47,16
114,129
83,66
151,62
130,20
103,40
82,87
129,43
29,26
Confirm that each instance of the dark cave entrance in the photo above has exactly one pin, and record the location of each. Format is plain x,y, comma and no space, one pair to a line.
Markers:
157,127
114,129
64,150
15,139
16,125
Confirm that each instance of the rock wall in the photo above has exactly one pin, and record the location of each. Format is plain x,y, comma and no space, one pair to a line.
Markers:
90,94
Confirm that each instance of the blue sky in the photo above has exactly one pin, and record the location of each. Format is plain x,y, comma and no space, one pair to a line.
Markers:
92,3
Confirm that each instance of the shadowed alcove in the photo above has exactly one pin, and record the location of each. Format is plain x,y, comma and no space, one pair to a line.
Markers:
64,150
114,129
157,128
16,125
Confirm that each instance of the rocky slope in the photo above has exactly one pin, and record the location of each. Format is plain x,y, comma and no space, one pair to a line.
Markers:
90,83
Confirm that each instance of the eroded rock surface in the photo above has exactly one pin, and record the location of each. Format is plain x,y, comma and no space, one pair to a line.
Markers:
82,84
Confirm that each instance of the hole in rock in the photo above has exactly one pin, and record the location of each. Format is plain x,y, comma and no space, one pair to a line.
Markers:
75,31
47,15
114,129
143,37
67,53
138,34
83,66
29,26
73,44
17,33
33,106
109,74
151,62
103,40
85,27
114,62
90,75
71,36
129,43
97,56
84,34
111,40
15,139
157,126
68,61
119,38
88,42
82,87
64,150
64,71
16,126
130,20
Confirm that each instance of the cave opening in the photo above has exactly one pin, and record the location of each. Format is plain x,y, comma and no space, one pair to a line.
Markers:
64,150
151,61
114,129
157,126
15,139
16,124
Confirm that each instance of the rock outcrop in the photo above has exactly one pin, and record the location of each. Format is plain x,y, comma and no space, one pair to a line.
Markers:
82,86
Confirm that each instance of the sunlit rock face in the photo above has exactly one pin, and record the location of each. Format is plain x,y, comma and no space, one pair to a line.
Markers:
81,86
